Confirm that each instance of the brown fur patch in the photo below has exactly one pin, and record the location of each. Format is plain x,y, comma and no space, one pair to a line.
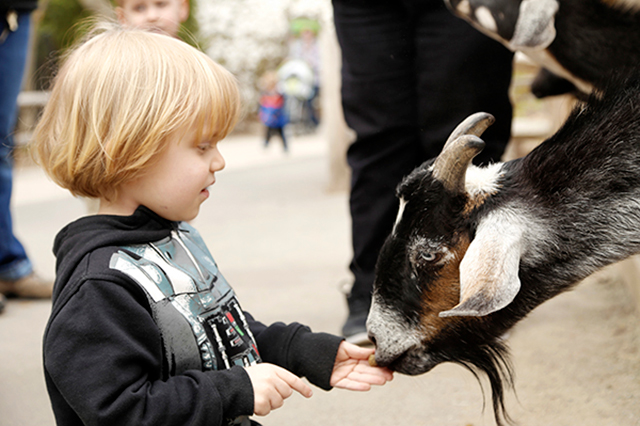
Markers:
474,203
444,293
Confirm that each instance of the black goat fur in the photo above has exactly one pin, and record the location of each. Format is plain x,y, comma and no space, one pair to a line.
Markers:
583,182
593,38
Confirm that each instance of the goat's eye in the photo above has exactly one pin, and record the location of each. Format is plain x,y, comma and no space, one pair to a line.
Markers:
428,257
423,256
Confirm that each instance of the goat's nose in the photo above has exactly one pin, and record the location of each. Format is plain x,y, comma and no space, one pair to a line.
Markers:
372,338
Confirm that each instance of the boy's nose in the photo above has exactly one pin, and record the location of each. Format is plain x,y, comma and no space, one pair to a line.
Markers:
153,13
217,163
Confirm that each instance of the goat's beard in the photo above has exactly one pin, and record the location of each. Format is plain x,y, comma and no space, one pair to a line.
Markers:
492,360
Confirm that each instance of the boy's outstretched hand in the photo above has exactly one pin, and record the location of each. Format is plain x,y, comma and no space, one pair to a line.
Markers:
352,370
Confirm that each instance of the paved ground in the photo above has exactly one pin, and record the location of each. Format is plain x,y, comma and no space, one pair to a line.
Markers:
283,242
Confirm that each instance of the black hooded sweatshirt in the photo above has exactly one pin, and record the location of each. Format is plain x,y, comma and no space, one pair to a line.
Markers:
138,342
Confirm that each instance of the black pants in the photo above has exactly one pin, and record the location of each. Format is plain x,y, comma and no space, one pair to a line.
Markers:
411,71
276,131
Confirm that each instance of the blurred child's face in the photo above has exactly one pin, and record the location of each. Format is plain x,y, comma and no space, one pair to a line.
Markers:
162,16
177,184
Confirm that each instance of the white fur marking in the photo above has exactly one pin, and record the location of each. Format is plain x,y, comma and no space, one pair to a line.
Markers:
535,27
485,18
483,180
421,244
464,8
447,256
393,335
403,204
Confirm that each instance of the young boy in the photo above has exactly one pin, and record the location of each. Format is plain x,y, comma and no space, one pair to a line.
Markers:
161,16
144,329
272,108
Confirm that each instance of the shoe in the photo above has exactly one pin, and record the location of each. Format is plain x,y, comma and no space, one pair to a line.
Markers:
3,302
355,328
32,286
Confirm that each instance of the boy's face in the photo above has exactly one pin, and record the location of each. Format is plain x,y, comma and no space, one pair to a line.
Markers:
162,16
177,184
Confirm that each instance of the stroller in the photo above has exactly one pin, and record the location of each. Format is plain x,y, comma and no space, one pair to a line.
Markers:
297,84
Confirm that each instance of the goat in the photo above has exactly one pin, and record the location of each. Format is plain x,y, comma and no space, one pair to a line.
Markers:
577,40
474,250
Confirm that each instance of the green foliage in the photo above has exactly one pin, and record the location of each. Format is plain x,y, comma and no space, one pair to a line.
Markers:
56,30
59,25
64,22
189,31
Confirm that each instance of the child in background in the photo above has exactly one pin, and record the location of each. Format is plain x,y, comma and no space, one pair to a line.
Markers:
272,108
161,16
144,329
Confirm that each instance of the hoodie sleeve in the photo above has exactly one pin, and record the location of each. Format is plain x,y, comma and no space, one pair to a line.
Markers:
294,347
103,356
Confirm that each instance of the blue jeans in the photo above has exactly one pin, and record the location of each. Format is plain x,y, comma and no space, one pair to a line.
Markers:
14,263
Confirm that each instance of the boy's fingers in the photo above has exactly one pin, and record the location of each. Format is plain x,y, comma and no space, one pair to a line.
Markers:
370,378
356,351
353,385
365,368
295,383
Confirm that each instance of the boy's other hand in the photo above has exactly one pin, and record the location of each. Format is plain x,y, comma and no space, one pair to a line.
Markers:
352,370
272,385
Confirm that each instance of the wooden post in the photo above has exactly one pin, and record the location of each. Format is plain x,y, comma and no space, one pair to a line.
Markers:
334,129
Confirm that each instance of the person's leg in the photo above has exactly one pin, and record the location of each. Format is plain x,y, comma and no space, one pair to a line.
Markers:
267,136
461,72
14,263
284,139
379,102
310,104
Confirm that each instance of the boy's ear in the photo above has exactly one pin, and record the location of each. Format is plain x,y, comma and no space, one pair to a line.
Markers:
121,15
184,10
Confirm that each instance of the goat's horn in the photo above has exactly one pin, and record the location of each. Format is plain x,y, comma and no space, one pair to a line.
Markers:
450,166
475,124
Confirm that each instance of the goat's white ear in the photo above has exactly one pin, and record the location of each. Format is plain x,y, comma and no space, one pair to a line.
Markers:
489,270
535,28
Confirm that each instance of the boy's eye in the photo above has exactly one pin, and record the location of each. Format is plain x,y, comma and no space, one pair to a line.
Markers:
204,146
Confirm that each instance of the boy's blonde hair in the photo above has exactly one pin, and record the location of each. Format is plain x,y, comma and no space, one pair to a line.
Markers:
116,101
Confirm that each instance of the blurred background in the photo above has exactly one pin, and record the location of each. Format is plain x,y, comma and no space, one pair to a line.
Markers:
278,226
294,38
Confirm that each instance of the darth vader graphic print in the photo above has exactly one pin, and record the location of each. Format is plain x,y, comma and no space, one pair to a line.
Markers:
200,319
